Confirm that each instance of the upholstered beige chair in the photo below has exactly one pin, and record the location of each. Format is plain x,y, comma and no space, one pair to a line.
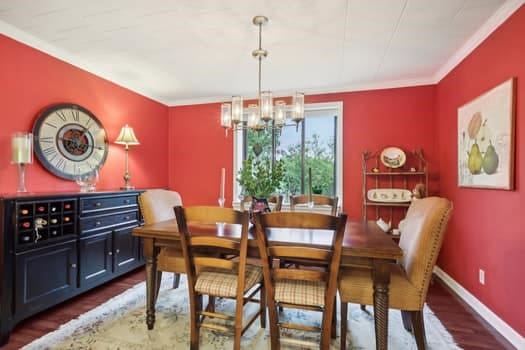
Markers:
421,240
318,199
157,205
211,273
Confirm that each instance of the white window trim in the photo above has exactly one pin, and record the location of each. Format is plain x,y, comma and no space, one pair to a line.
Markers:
237,155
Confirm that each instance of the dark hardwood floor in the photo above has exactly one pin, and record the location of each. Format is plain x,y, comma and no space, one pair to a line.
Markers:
468,329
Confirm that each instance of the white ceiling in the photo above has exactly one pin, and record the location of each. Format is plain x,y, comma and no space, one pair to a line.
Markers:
192,51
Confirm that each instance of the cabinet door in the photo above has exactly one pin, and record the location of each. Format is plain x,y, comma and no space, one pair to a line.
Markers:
96,260
126,250
44,277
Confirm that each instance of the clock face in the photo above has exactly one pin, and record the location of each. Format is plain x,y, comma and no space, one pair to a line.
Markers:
70,141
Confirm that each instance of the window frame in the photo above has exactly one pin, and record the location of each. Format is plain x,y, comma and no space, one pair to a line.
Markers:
238,152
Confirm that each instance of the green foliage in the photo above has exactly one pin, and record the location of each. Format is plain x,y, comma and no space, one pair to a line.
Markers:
258,178
319,157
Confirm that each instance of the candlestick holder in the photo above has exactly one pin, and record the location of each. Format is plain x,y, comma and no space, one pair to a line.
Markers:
21,178
22,154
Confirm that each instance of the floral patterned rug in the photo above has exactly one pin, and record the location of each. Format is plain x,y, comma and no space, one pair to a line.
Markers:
120,323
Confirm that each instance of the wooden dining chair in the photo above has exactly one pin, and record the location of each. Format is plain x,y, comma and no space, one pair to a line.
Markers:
210,273
318,199
421,240
157,205
276,201
300,287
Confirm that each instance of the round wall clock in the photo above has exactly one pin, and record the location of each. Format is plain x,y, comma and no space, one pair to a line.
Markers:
70,141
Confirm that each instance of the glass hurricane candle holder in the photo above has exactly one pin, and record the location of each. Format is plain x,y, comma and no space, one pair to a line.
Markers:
22,154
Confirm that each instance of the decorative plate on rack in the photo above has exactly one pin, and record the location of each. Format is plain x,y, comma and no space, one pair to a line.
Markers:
390,195
393,157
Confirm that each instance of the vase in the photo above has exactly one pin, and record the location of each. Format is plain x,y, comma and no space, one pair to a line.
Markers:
258,205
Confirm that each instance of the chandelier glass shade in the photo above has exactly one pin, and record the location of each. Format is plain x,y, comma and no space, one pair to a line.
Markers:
264,114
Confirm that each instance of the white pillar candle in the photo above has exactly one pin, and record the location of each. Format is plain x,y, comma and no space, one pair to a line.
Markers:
223,175
22,148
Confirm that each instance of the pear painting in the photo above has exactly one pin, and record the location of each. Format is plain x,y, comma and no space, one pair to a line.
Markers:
485,139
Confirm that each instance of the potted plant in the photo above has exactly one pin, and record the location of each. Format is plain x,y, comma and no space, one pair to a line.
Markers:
259,179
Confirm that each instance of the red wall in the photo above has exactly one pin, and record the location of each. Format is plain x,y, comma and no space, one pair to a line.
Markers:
372,120
487,229
184,148
31,80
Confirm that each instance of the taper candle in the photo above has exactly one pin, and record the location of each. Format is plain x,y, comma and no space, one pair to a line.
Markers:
309,184
223,175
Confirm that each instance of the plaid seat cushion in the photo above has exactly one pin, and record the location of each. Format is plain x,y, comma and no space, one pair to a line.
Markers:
300,292
223,283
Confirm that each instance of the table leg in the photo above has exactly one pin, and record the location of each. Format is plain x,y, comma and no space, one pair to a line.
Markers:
381,274
150,253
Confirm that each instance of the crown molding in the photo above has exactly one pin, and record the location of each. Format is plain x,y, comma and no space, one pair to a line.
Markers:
329,90
494,21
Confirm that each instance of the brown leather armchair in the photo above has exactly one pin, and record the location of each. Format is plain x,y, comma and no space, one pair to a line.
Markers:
157,205
421,240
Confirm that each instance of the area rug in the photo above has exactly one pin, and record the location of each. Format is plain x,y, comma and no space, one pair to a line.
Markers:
120,323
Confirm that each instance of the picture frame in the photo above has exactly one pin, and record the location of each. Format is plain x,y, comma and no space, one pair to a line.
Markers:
486,139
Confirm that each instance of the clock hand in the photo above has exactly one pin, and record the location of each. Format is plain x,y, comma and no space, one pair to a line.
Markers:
73,140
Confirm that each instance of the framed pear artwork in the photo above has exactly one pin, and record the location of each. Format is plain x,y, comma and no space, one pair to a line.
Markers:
486,139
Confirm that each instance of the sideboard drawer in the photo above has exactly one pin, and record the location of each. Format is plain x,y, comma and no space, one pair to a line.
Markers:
101,222
96,204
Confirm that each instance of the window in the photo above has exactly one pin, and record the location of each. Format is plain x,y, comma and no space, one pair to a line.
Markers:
317,144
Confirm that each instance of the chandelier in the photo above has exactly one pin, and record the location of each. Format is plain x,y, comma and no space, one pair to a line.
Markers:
264,114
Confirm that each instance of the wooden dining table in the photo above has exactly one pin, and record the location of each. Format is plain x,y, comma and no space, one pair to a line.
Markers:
364,244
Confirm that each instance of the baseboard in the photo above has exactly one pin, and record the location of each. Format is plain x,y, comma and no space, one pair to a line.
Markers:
503,328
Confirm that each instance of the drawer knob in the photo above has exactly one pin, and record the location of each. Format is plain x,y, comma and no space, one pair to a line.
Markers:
73,266
98,204
98,223
127,201
127,217
117,251
110,253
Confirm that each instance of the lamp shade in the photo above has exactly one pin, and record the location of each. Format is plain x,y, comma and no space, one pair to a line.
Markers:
127,136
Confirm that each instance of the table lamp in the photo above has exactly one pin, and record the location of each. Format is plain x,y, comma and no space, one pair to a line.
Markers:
127,137
22,154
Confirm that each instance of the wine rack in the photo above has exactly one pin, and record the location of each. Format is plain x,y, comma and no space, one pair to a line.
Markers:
43,222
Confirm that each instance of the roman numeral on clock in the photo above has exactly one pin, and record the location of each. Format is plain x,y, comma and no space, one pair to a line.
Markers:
50,152
75,114
61,164
61,115
46,139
